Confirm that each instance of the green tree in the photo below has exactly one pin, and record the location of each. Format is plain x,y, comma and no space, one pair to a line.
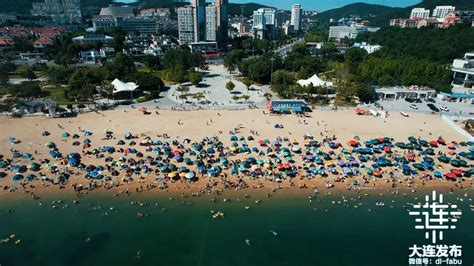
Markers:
365,93
59,75
27,89
106,89
245,97
230,86
120,67
194,77
247,83
199,96
233,59
235,98
82,84
354,57
29,74
282,80
153,62
177,74
147,82
183,97
183,90
268,96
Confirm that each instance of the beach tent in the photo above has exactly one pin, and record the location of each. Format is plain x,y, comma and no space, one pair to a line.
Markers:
315,81
120,86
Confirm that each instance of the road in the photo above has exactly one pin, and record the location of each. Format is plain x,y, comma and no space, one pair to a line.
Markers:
284,50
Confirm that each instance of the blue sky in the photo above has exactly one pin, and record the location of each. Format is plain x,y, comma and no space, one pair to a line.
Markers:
322,5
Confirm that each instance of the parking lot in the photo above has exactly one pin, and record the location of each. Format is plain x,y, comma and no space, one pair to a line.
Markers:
401,105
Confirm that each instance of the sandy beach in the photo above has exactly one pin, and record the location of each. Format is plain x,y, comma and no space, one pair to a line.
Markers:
344,125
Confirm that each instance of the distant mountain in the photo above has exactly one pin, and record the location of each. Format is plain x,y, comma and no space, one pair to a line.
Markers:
359,9
380,15
24,6
243,9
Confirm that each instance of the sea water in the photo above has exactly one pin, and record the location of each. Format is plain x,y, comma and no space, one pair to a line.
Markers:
281,230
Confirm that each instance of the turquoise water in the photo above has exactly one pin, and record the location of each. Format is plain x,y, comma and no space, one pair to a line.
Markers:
187,235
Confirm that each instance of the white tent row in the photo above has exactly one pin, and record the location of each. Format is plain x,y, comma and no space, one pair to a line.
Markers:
120,86
315,81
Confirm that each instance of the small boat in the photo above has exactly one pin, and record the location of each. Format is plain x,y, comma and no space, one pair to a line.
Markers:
380,204
18,242
247,241
274,233
404,114
218,215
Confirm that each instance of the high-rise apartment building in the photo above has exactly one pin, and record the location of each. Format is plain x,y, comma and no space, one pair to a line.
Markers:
211,23
60,11
186,24
296,16
208,23
442,11
222,19
420,13
199,19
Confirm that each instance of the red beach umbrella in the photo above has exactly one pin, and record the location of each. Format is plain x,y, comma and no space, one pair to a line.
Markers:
456,171
441,141
450,176
433,143
387,149
451,146
353,143
377,173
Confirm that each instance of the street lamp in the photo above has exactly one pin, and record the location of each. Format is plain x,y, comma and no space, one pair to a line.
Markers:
271,73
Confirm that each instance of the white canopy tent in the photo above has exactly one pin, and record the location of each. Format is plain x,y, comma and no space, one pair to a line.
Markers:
315,81
120,86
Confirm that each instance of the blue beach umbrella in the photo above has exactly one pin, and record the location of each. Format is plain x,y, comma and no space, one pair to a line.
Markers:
17,177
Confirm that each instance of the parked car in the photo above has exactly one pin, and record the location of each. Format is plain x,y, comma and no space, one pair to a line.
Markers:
431,100
413,106
410,100
444,108
433,107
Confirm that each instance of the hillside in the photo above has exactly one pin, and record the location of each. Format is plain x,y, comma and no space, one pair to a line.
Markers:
245,9
24,6
360,9
380,15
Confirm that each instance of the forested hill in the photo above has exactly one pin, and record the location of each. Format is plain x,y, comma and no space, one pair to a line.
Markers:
414,56
24,6
245,9
380,15
360,9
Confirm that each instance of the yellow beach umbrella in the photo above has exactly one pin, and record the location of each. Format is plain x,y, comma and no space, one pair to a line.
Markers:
172,174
